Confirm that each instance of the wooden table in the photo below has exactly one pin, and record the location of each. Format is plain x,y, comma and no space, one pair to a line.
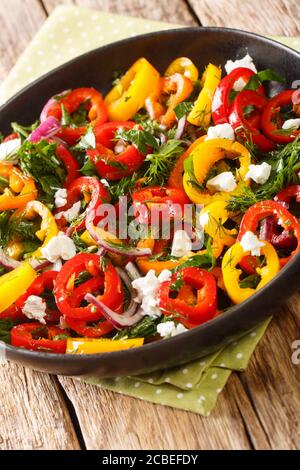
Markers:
259,409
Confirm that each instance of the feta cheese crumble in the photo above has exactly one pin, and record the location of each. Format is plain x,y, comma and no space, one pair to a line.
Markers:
146,288
60,197
246,62
169,329
291,124
250,242
259,173
181,245
220,131
223,182
71,213
8,150
58,247
35,308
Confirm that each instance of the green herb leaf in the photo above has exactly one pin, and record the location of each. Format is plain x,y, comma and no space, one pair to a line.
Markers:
39,161
206,260
285,167
24,131
145,328
183,108
87,141
142,139
5,327
162,162
263,76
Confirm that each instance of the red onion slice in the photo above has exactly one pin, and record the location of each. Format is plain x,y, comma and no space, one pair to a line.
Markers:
117,320
7,262
45,130
50,102
180,127
129,252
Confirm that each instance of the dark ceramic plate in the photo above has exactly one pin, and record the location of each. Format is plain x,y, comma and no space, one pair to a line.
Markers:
202,45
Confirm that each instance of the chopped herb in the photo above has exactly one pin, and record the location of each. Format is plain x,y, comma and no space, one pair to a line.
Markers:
39,161
285,166
116,75
60,337
162,162
87,141
251,281
89,167
142,139
82,277
66,118
183,108
80,245
206,260
263,76
144,329
5,327
124,186
23,131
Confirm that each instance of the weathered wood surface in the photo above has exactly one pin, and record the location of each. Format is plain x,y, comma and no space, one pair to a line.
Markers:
274,17
259,408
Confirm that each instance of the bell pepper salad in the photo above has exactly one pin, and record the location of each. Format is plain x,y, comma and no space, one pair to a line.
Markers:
138,215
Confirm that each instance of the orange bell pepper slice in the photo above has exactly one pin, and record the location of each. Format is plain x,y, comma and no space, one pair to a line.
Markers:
176,175
178,87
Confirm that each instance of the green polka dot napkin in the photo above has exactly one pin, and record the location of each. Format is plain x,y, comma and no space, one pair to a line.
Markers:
71,31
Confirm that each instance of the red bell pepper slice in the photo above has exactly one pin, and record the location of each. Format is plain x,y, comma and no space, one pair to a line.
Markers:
82,328
85,185
160,198
68,298
37,337
272,121
110,165
42,284
97,111
195,309
240,123
286,195
221,101
12,136
70,163
264,209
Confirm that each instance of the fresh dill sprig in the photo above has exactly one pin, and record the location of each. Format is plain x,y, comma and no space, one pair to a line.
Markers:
162,162
285,166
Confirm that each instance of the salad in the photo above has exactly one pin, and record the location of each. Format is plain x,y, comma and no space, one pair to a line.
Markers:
137,216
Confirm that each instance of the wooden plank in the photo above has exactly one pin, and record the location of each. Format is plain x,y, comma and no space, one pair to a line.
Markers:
114,421
272,381
33,414
274,17
19,21
175,11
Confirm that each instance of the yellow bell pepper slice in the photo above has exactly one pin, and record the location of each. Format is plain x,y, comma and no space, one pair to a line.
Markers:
231,274
94,346
216,217
48,227
129,95
205,156
19,183
200,115
185,66
86,238
15,283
